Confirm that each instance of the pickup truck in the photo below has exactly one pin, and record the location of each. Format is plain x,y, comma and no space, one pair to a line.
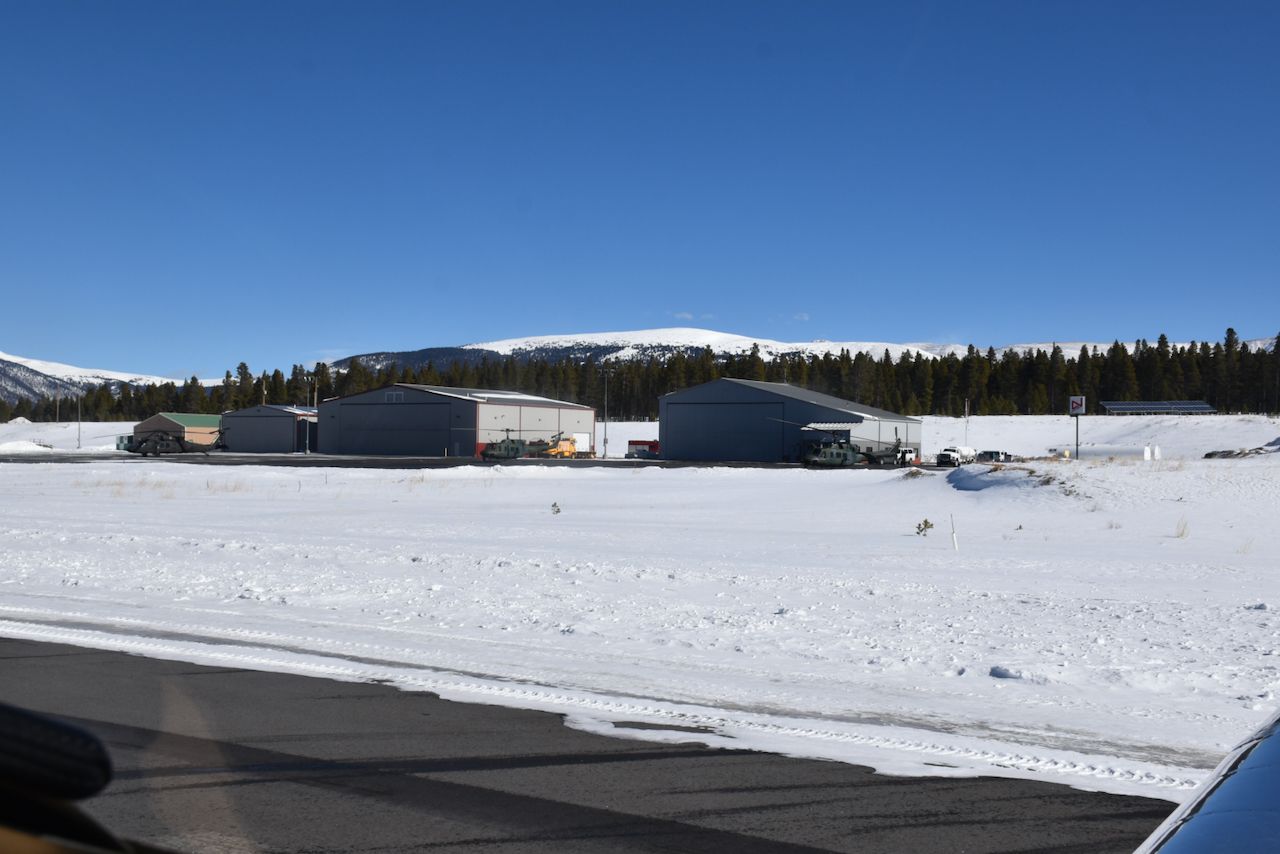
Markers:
953,455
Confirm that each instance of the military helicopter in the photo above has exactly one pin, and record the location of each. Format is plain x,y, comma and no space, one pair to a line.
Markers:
505,448
839,452
159,442
836,453
832,452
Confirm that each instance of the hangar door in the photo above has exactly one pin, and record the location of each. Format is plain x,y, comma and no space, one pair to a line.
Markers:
258,434
749,432
419,429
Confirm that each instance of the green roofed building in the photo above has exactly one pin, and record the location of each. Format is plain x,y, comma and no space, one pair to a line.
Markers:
190,427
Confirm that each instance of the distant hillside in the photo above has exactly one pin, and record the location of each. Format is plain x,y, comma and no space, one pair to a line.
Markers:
30,379
439,356
18,382
663,343
639,345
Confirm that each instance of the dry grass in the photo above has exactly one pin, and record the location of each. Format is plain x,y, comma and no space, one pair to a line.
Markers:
226,486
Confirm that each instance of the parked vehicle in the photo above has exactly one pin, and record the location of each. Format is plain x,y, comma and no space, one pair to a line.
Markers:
956,455
643,449
561,448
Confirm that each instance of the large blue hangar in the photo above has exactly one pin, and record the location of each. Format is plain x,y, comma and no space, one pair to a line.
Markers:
437,421
750,421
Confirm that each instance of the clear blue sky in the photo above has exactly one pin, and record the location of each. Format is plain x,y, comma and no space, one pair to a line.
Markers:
185,185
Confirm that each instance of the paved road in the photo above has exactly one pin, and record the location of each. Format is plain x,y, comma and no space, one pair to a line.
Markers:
366,461
221,458
214,759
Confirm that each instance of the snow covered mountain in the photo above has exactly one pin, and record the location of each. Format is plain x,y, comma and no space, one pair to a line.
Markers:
645,343
21,378
662,343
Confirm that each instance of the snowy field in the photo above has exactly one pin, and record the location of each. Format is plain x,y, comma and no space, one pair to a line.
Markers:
1107,622
21,436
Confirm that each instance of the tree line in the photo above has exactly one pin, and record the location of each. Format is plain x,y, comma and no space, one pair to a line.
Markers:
1228,374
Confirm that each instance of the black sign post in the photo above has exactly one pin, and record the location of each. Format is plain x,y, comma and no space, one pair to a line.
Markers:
1076,406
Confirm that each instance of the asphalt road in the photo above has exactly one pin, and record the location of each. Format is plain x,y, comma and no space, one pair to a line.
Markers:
214,759
222,458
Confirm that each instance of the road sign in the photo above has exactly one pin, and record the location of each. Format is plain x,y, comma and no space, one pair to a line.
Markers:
1076,406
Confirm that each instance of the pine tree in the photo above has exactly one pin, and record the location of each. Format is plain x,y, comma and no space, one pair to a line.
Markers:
193,396
1120,378
244,387
277,394
323,379
355,379
1231,387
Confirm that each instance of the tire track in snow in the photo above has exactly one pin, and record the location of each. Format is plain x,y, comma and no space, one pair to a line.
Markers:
698,689
592,672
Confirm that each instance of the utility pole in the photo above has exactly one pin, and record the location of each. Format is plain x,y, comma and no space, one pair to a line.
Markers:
606,413
77,423
306,419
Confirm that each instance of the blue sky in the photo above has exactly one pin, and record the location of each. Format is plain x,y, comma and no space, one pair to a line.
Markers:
186,185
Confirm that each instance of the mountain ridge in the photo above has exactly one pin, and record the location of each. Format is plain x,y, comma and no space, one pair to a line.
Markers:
665,342
25,378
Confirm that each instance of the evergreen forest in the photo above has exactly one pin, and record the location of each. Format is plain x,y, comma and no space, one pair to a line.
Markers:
1228,374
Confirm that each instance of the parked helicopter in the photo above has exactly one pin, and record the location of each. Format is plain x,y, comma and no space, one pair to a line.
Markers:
505,448
836,453
508,448
839,452
159,442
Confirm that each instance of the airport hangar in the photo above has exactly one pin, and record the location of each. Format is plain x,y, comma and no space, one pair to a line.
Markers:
752,421
270,429
434,421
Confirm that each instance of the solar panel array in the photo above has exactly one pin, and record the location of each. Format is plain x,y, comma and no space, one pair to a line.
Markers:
1158,407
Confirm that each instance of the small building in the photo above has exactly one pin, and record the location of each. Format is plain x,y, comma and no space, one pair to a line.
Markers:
1158,407
189,427
437,421
270,429
748,420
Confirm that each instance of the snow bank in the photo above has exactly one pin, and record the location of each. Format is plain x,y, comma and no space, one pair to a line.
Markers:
1101,436
22,436
23,447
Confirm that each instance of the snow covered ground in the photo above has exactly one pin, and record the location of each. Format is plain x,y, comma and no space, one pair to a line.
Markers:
21,436
1108,622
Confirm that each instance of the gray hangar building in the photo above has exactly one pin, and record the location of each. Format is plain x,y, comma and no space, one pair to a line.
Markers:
436,421
752,421
270,429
